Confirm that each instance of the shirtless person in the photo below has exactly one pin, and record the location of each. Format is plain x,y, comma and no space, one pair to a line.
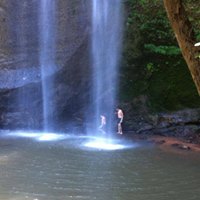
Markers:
103,124
120,116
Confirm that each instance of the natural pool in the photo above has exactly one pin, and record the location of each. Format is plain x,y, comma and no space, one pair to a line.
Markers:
59,167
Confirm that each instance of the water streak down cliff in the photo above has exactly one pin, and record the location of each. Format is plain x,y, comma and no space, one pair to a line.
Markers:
106,49
20,61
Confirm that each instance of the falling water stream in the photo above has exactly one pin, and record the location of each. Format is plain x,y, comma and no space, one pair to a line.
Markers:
106,48
47,59
39,166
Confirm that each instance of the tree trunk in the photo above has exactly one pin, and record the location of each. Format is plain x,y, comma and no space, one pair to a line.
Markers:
185,37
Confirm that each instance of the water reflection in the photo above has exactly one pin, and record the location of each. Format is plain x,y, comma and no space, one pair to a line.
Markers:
99,143
108,144
40,136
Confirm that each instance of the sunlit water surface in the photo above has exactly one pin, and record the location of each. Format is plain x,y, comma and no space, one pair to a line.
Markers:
49,166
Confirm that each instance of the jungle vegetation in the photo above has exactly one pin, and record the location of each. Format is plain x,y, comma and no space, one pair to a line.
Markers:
155,61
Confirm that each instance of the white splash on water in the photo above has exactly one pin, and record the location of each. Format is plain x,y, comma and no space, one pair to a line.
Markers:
77,141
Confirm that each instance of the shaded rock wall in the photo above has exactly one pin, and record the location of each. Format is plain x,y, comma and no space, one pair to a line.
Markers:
20,76
138,119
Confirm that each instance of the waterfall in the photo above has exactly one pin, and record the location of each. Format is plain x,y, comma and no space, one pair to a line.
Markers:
47,59
106,49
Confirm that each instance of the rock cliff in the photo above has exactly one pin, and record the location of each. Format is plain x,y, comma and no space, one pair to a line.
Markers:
20,74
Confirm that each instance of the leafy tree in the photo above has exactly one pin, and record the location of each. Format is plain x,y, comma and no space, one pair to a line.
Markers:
185,35
153,65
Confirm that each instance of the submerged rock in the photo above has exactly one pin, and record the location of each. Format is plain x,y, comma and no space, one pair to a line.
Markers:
181,146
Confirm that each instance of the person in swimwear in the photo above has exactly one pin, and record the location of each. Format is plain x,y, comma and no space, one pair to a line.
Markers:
103,124
120,117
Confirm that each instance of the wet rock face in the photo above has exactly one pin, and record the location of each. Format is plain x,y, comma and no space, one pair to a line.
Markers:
184,124
20,73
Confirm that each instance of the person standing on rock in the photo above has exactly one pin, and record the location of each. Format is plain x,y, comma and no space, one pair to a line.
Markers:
120,117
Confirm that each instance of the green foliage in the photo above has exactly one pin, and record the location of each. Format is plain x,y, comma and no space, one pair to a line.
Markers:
164,50
198,36
172,88
197,56
153,64
193,12
150,67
